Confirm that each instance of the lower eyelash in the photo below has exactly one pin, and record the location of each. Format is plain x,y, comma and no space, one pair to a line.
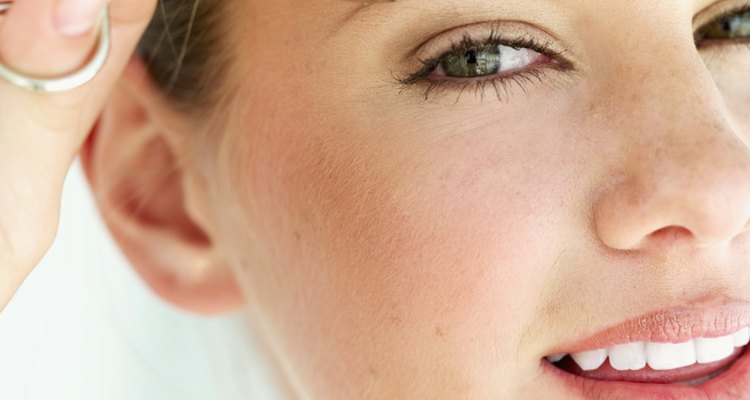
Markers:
715,53
500,85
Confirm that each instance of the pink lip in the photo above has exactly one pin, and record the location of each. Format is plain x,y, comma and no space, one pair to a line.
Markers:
675,325
733,384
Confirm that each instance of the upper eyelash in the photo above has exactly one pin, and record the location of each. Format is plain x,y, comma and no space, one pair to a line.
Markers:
429,64
724,12
522,76
501,82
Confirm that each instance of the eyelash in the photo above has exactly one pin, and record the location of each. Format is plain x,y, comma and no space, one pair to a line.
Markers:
501,83
725,12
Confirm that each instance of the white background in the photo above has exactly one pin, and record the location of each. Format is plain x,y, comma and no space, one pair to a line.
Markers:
84,327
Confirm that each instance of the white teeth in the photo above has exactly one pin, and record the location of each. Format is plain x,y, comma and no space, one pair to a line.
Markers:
555,357
664,356
590,360
714,349
628,356
660,356
742,337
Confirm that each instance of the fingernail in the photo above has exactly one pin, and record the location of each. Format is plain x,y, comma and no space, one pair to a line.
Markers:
76,17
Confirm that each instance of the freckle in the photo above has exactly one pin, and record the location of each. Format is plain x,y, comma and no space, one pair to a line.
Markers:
297,236
439,331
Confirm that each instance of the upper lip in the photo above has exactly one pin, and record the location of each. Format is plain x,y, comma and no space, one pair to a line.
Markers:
671,325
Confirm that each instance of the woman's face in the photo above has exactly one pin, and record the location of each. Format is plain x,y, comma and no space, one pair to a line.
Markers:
435,195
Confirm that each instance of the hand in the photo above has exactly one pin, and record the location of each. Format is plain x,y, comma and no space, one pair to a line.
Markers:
41,133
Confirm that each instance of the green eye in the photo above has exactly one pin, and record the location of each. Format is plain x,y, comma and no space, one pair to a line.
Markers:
472,62
486,59
731,26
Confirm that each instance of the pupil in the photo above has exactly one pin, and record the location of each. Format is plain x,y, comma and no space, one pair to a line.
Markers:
726,25
471,57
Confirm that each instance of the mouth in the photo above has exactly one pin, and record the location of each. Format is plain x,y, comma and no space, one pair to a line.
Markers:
671,365
688,363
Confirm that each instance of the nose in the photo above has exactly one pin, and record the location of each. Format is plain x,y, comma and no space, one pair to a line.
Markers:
685,173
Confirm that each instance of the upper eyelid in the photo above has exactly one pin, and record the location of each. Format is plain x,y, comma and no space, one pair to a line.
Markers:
717,10
520,29
448,39
702,17
526,35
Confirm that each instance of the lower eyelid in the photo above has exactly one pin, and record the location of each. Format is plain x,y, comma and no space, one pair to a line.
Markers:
714,44
541,61
502,86
718,53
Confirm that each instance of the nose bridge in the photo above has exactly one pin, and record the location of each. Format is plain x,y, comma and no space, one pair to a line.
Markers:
687,144
686,169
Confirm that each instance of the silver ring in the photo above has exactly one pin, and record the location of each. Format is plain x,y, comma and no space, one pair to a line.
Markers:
67,82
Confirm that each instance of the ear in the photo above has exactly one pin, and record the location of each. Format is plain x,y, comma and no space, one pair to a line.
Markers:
153,201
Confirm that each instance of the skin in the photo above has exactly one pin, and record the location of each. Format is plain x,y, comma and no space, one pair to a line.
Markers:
391,246
403,248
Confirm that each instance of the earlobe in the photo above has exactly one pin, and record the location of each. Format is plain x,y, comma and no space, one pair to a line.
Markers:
147,196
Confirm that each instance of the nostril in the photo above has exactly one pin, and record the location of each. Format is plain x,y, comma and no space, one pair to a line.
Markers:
670,234
678,208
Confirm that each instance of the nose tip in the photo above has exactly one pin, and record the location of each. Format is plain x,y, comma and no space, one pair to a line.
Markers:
703,204
701,227
720,225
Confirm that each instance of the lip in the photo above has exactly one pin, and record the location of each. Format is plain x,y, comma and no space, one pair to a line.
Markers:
648,375
732,384
673,325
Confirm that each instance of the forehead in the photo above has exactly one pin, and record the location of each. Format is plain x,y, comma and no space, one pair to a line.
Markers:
366,3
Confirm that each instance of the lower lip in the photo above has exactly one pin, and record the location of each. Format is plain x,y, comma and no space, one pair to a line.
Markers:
732,384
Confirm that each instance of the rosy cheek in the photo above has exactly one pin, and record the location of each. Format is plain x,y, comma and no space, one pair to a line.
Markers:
392,244
424,236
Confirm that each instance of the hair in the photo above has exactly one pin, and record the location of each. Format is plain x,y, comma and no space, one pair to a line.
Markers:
182,48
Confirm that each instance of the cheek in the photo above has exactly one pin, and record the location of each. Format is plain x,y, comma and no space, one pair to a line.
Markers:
389,254
396,249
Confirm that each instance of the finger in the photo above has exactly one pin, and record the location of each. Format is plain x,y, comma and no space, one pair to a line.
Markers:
52,38
40,133
49,38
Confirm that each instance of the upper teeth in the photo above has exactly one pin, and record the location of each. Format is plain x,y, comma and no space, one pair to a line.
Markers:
660,356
